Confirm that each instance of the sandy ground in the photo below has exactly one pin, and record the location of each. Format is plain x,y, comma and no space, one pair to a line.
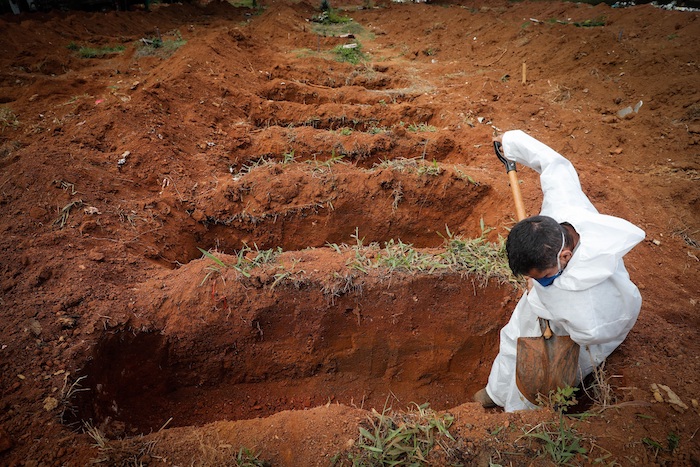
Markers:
244,136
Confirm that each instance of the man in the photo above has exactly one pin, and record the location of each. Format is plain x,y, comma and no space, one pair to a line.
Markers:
573,254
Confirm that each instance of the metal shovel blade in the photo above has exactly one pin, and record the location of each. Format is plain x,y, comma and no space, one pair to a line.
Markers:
543,365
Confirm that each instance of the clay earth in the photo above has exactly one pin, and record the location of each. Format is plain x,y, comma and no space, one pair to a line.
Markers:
217,236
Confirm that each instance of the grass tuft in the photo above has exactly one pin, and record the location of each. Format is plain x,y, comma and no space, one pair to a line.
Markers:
352,55
415,165
246,458
559,441
246,259
92,52
400,438
8,119
476,257
161,45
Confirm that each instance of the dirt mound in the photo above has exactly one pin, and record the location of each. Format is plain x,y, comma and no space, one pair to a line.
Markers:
334,201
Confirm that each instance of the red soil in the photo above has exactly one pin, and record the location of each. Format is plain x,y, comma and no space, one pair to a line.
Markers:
103,282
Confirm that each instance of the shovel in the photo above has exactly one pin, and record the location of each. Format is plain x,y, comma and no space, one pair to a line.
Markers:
542,364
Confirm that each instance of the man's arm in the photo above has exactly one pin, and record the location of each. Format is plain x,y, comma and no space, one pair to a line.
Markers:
559,180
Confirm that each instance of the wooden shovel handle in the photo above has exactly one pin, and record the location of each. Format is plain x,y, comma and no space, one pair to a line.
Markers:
517,196
513,177
547,332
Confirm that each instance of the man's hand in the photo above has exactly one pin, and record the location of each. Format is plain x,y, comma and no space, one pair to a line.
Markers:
498,139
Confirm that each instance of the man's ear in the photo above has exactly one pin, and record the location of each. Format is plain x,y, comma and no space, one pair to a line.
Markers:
566,255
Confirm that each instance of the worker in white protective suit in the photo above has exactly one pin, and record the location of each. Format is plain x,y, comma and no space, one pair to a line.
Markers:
573,256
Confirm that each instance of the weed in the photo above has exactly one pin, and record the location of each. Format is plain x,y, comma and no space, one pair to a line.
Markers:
68,393
361,261
420,127
352,55
397,194
264,256
248,166
127,452
415,165
591,23
322,166
160,47
653,444
288,157
91,52
345,131
279,278
99,438
466,177
399,255
8,119
405,438
375,130
72,46
560,442
253,4
672,440
330,16
340,285
65,212
478,256
430,169
246,458
246,259
600,391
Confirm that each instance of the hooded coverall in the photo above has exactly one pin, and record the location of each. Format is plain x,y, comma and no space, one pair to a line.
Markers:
593,301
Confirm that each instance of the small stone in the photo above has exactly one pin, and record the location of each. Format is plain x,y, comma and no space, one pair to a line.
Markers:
35,327
96,256
66,322
50,403
37,213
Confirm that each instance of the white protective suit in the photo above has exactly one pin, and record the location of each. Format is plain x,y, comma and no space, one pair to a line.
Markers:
593,300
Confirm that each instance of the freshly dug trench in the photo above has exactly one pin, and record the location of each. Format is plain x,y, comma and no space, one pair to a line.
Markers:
310,204
233,350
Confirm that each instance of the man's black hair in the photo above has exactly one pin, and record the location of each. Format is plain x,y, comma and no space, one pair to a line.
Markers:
533,243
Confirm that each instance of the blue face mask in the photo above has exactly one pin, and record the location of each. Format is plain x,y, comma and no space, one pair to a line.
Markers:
547,281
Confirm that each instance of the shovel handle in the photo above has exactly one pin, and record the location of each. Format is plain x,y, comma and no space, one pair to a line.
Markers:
547,332
513,177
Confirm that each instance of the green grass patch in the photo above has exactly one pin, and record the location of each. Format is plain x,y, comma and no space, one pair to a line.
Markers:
475,257
399,438
420,127
246,259
247,458
591,23
92,52
162,46
244,3
588,23
351,55
330,16
337,29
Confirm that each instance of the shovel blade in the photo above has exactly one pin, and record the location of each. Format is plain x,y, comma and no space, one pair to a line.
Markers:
543,365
